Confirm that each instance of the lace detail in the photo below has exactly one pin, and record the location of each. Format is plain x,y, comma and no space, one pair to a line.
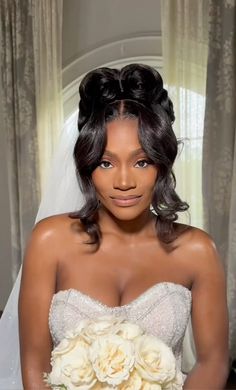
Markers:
163,311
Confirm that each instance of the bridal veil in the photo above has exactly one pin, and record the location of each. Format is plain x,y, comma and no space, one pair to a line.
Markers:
61,195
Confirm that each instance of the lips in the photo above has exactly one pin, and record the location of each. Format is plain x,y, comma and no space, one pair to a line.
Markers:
124,201
121,197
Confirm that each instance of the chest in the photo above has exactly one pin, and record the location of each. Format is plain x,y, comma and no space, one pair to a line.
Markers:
117,274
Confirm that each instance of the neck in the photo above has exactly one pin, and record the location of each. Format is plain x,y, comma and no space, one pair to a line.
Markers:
144,224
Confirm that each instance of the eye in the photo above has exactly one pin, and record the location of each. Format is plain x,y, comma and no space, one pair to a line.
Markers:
142,163
105,164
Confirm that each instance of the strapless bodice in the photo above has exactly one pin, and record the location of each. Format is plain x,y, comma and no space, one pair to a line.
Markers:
163,311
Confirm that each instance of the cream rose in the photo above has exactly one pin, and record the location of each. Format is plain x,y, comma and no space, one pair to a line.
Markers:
66,346
104,386
112,353
63,347
155,361
112,358
105,325
73,369
129,331
134,382
78,330
55,377
151,386
176,383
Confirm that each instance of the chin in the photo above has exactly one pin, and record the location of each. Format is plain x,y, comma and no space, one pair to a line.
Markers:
126,213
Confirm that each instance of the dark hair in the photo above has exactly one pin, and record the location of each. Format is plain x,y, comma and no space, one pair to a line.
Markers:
135,91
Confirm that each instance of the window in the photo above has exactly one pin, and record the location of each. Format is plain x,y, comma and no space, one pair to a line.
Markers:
188,167
189,121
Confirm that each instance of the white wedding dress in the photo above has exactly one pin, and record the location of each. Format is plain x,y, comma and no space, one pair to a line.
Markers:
163,310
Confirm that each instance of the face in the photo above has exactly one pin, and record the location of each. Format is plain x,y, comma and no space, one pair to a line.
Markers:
125,179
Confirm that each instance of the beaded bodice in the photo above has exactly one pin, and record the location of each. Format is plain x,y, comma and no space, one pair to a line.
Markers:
163,311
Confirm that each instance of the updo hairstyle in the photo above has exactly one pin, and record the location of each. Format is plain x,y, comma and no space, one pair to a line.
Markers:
136,92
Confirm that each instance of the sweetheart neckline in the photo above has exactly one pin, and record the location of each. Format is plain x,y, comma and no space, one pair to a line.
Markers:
132,302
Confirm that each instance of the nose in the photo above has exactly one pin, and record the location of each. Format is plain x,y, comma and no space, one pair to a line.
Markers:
124,179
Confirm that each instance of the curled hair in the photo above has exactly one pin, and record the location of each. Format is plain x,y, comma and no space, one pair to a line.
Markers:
135,92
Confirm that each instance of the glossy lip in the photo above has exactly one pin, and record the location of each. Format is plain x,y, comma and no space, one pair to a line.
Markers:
125,201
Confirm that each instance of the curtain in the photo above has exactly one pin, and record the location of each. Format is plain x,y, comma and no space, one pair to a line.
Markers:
47,39
185,50
31,76
19,120
219,145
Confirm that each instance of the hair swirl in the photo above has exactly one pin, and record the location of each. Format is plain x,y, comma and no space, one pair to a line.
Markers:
135,91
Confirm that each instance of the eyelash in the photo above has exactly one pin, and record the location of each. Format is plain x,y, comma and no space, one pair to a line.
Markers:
104,162
139,161
145,161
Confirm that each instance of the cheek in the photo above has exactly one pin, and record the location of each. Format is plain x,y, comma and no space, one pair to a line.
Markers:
149,181
99,181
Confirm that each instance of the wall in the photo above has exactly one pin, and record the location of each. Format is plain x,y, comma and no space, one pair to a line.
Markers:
88,24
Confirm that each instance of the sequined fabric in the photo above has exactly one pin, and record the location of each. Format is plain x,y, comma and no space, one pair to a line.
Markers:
163,311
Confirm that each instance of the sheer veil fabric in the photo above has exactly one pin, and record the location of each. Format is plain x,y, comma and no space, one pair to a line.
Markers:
62,194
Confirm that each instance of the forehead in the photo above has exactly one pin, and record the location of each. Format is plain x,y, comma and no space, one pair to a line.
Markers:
122,134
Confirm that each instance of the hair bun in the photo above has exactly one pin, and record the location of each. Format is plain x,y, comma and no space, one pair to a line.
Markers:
137,82
98,88
144,84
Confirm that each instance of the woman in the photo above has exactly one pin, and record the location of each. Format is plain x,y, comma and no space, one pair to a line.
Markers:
123,253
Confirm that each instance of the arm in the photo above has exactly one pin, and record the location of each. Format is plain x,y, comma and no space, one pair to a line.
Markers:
37,288
209,318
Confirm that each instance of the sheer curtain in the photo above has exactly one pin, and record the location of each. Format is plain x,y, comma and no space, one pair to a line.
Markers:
29,30
19,120
31,96
47,39
185,50
219,146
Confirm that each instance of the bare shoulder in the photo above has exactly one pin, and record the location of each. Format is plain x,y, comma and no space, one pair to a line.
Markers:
194,238
199,251
56,226
53,235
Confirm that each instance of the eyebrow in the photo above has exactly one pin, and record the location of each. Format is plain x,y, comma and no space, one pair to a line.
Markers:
135,153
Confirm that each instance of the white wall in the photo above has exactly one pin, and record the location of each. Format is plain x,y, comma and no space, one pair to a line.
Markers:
88,24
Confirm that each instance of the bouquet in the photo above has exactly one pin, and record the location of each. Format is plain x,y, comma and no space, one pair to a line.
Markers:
112,353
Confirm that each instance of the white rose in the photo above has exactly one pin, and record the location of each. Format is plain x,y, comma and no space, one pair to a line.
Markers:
73,333
155,361
112,359
176,383
134,382
104,386
56,376
151,386
102,326
73,369
129,331
66,346
63,347
82,373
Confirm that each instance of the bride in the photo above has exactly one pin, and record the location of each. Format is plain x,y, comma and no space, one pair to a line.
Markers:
122,252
